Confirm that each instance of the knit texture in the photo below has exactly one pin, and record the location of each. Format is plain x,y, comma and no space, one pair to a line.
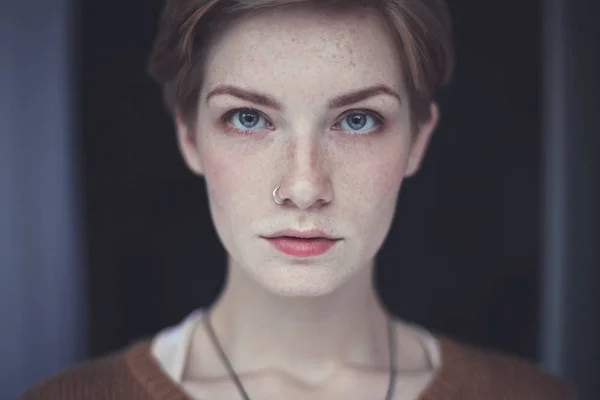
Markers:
466,374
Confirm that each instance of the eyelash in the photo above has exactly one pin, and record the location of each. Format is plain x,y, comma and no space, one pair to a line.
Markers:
379,120
227,117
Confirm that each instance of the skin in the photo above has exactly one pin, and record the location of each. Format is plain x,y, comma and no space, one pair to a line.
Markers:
304,326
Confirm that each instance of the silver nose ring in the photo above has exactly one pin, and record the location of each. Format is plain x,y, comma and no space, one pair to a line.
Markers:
276,198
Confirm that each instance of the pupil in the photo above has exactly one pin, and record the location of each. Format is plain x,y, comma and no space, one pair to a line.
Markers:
248,119
357,121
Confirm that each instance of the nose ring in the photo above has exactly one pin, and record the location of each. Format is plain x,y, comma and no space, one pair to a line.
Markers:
276,198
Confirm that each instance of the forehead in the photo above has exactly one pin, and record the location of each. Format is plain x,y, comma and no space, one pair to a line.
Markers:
299,50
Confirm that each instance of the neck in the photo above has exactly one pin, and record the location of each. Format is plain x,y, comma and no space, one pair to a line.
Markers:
262,330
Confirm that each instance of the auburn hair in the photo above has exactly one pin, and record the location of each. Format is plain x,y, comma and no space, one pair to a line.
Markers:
421,28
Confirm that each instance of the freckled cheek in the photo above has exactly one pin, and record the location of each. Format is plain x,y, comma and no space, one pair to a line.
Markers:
221,177
375,178
231,179
389,177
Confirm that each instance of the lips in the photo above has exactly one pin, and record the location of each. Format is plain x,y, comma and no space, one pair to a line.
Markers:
302,243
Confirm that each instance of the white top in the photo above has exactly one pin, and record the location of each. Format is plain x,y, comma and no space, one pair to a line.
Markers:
170,347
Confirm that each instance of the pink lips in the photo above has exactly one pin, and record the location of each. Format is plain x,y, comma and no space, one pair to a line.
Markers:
301,243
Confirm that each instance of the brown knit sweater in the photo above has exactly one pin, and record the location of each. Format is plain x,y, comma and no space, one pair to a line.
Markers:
466,374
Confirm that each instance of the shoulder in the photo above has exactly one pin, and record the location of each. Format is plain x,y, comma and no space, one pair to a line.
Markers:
479,373
105,378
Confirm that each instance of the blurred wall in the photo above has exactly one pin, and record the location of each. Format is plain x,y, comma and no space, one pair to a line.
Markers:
570,320
40,272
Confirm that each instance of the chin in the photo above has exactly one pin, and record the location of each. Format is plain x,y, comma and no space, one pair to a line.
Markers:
301,280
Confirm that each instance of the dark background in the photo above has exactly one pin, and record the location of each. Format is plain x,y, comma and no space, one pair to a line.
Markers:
463,256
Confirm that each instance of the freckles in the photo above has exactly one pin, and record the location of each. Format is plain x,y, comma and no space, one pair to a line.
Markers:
391,177
215,176
221,174
371,185
373,170
256,60
233,177
392,167
382,179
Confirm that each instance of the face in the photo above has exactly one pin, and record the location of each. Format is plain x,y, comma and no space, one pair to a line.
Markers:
314,103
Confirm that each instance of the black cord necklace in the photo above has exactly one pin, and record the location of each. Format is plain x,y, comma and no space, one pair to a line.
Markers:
240,387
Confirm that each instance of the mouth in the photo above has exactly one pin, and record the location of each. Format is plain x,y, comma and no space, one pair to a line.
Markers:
302,243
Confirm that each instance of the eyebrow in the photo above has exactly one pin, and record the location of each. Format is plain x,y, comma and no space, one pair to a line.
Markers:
268,101
363,94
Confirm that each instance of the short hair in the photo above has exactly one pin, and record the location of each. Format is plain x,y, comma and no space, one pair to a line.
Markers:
422,30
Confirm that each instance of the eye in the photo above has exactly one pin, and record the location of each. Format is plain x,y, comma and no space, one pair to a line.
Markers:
359,122
247,119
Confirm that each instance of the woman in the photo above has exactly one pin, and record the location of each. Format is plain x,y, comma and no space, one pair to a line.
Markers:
303,117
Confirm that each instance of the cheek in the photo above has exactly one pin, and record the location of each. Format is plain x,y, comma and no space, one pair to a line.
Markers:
375,175
218,175
232,181
388,174
223,179
382,189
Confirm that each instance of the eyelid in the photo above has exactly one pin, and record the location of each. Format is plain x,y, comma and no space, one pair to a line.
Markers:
229,113
227,116
373,114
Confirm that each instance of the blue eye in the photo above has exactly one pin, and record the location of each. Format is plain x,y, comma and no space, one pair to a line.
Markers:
358,121
246,119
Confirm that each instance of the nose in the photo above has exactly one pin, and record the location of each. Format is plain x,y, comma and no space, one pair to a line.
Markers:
307,181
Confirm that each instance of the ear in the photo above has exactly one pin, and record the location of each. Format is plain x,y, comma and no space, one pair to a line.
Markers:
421,140
186,139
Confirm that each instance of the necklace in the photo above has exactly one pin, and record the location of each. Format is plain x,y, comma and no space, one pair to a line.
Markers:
240,387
